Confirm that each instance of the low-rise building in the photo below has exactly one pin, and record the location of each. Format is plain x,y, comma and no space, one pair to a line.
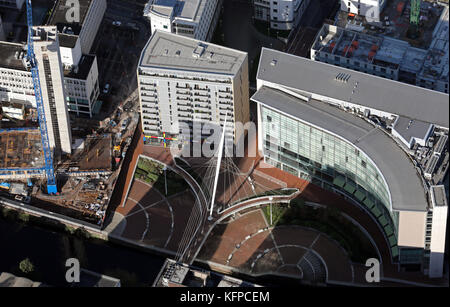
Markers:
371,9
191,18
281,14
388,57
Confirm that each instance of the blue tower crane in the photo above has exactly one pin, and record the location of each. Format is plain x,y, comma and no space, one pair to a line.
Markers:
49,170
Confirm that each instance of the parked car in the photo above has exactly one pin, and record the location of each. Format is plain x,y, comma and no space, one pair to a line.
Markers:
106,88
116,23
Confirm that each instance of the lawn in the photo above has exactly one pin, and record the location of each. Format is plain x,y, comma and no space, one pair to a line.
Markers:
152,173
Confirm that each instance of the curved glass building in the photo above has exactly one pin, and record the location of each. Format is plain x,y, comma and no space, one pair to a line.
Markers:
328,141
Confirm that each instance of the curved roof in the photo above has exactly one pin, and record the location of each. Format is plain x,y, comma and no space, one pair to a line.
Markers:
362,89
404,182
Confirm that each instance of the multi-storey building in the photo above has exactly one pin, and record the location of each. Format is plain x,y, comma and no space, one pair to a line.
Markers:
85,25
281,14
313,123
15,4
182,80
191,18
15,79
81,85
51,76
2,31
387,57
371,9
80,77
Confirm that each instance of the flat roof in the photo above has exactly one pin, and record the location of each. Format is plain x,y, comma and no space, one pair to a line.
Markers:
373,92
83,68
58,17
171,51
405,185
8,56
186,9
409,128
439,196
67,40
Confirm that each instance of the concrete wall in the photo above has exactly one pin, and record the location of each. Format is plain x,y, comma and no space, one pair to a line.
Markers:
71,56
411,229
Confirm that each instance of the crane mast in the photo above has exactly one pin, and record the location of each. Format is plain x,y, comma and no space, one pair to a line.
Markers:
49,170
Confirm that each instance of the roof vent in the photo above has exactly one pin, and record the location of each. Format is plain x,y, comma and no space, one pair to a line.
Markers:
273,62
342,77
178,52
198,52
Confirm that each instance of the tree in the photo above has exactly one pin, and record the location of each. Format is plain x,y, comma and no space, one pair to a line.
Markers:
26,266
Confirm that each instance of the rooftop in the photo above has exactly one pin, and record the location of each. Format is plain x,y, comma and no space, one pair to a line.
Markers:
10,56
93,279
409,129
82,70
374,92
170,51
67,40
10,280
389,52
190,10
438,195
58,17
405,185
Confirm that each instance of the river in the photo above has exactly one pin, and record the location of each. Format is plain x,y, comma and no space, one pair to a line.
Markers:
48,251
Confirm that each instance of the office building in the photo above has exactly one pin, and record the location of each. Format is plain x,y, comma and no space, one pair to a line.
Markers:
182,80
86,28
191,18
281,14
313,121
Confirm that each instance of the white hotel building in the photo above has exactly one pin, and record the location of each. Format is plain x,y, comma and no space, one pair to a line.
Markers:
191,18
282,14
371,9
182,80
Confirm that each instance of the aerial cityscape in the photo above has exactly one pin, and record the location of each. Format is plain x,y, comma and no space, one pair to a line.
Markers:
224,143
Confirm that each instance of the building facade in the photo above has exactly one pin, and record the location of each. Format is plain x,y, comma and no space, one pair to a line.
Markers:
371,9
82,87
86,28
51,76
309,134
191,18
186,81
80,77
15,79
281,14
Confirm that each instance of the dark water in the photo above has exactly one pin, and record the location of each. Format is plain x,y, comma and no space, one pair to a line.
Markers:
48,251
